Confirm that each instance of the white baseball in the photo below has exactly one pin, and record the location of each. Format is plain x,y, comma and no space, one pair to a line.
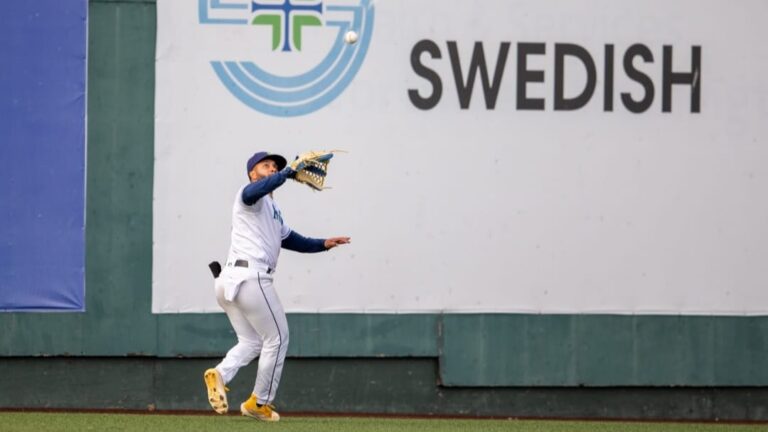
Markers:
350,37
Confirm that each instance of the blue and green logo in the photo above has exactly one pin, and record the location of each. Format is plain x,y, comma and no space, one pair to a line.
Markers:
297,28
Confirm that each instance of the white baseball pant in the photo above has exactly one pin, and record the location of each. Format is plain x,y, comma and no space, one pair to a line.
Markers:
258,319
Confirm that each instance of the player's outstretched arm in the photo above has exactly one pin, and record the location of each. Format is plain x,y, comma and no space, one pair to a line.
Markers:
332,242
299,243
260,188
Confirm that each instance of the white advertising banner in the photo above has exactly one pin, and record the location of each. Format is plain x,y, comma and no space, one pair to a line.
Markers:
502,156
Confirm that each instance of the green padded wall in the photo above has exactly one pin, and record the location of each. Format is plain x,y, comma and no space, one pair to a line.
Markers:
387,386
603,350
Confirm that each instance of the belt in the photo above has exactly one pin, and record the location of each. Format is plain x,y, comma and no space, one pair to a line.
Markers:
244,263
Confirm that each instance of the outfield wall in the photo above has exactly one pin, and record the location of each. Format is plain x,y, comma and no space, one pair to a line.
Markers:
558,352
360,385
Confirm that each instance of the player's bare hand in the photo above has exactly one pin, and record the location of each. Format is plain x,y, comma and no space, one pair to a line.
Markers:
335,241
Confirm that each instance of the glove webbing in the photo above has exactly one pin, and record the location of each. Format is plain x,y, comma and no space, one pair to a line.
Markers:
313,174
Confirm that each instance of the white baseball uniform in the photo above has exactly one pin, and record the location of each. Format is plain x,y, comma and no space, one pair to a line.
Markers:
246,293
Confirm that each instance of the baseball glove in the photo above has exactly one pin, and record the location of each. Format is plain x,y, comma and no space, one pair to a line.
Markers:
312,167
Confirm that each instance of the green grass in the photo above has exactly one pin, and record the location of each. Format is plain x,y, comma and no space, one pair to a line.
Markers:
80,422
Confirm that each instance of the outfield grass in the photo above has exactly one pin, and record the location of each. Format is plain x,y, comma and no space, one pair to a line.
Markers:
49,422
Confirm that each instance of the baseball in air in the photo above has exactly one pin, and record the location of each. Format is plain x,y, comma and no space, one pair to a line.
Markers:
350,37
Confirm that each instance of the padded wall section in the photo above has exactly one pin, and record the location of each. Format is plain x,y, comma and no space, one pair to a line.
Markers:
42,151
387,386
603,350
312,335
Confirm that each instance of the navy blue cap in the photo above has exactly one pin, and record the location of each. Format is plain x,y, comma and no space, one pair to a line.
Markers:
260,156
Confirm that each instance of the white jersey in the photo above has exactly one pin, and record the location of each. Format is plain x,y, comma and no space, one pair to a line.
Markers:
258,231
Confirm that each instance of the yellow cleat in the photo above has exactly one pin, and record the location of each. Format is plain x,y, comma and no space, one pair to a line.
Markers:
217,393
265,412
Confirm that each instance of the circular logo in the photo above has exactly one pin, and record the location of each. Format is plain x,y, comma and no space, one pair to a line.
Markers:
288,95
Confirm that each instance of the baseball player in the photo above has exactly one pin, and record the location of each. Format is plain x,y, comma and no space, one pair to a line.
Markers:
245,291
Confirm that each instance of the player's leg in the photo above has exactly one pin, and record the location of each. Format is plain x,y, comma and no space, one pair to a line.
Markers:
265,312
246,349
249,342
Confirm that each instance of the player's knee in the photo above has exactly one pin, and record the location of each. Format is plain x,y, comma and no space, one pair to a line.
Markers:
277,341
254,347
249,345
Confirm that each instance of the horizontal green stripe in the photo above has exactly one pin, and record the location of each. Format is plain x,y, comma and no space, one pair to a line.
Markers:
474,349
311,335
